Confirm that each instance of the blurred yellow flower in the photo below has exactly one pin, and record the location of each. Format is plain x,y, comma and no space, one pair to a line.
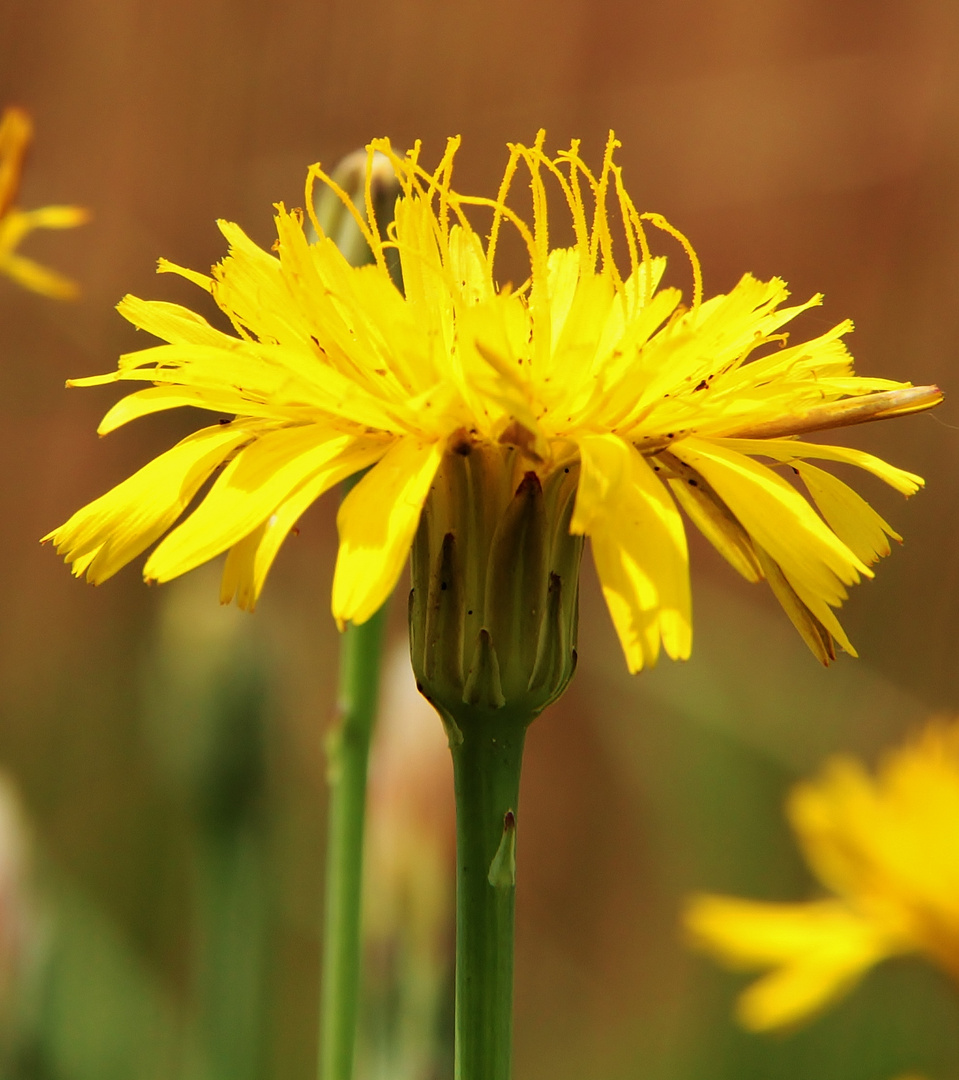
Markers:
887,848
16,130
586,366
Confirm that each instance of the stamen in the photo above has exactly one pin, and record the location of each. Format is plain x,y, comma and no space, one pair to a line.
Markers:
575,208
368,197
499,204
534,156
442,187
631,217
630,238
601,219
571,157
504,211
542,336
316,173
661,223
577,166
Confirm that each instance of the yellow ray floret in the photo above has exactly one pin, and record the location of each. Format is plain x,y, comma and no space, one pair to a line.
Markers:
587,364
16,131
887,847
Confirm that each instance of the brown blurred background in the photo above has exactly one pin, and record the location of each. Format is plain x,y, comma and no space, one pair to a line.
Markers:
812,139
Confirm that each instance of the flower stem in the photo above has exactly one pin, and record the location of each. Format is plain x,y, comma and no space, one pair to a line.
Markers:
348,748
486,770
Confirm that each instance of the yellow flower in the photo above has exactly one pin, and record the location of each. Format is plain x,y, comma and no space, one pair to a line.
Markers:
588,365
16,130
887,848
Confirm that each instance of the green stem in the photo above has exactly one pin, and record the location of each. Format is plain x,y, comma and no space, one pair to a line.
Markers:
232,879
486,771
348,754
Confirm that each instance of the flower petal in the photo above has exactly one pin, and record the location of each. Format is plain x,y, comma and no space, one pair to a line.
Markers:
817,950
39,279
814,632
790,449
106,534
158,398
250,559
712,517
848,514
639,547
770,509
377,522
172,322
252,486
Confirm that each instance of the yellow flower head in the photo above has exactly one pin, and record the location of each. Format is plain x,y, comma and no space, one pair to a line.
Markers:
588,365
16,130
887,848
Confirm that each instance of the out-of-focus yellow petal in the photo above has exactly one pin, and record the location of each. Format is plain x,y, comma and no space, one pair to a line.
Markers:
16,131
795,992
22,222
39,279
817,952
887,846
639,546
15,225
890,844
377,521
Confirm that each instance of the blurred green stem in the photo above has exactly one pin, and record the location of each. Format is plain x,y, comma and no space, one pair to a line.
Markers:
348,753
486,771
234,921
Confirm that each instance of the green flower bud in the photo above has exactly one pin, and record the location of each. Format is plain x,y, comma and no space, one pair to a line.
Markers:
494,604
